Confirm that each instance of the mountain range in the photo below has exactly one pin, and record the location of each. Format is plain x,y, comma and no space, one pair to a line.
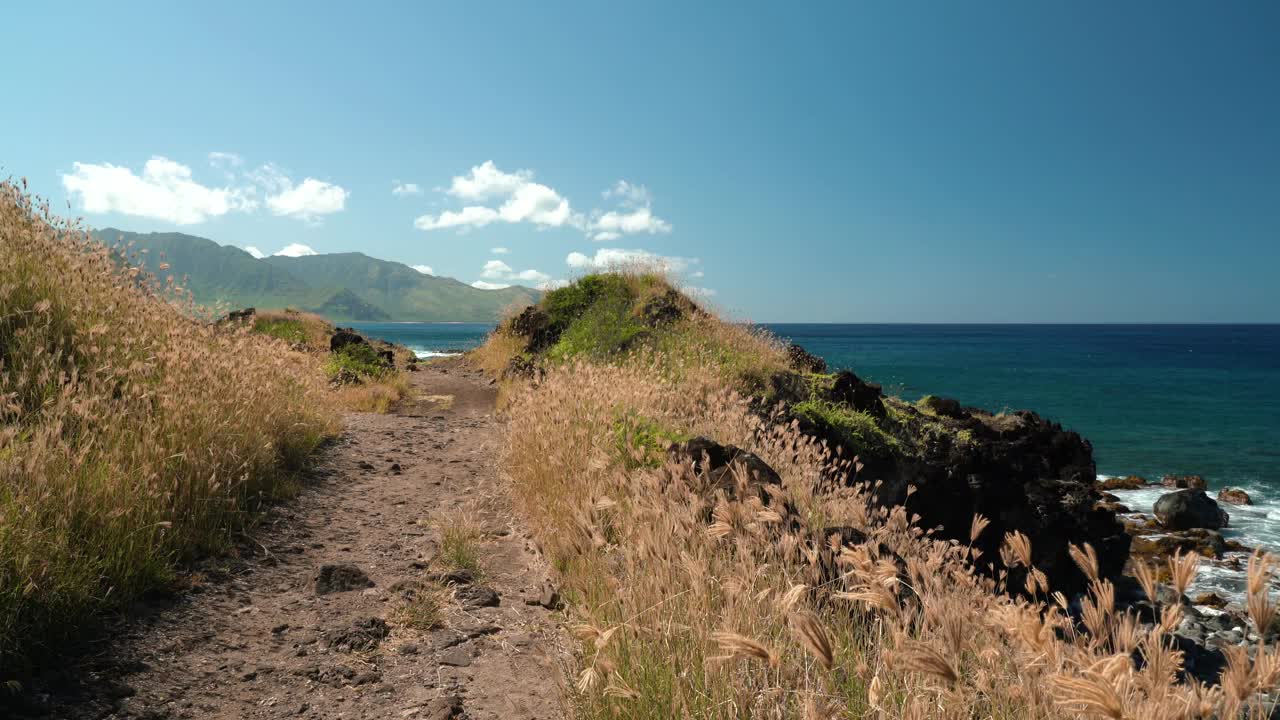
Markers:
342,287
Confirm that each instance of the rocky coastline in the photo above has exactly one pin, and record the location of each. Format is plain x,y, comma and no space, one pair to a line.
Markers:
1027,474
948,463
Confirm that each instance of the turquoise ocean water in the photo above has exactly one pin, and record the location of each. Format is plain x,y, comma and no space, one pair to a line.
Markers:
1153,399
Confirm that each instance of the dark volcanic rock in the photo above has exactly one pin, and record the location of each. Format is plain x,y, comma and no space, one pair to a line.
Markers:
443,708
363,635
1193,482
535,325
723,464
1235,496
1132,482
344,337
1187,509
238,315
945,407
1208,543
802,360
859,395
340,578
476,596
1020,471
665,308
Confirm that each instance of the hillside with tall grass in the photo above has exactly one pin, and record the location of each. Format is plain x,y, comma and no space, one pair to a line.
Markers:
704,593
133,434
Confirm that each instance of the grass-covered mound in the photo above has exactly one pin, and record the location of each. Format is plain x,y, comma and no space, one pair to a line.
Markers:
132,434
367,375
721,560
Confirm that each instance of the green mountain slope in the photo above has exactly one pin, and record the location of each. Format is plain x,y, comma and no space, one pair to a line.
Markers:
350,306
400,290
341,287
214,273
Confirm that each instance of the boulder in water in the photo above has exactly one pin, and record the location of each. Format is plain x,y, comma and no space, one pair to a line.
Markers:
1193,482
1188,509
1235,496
1131,482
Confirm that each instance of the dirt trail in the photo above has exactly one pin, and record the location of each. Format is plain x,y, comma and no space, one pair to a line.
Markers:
255,639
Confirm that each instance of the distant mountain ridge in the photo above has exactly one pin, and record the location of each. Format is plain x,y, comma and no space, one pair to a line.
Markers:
342,287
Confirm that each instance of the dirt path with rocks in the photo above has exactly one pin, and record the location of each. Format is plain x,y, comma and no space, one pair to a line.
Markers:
331,615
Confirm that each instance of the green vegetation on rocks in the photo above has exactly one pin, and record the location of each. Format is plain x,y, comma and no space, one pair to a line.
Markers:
857,432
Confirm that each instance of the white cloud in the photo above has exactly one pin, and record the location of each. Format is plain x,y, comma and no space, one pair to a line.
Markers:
254,251
487,181
499,251
482,285
514,197
498,270
424,269
295,250
495,269
635,216
403,189
533,276
639,220
537,204
164,191
700,292
610,258
552,284
309,200
629,194
270,177
467,217
697,274
225,160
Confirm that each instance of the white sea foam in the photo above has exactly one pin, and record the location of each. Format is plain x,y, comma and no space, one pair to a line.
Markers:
433,353
1253,525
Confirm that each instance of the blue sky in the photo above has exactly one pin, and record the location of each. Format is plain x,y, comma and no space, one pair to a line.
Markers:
888,162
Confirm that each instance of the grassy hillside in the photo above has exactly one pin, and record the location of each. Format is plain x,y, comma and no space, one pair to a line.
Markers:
214,273
721,560
342,287
131,436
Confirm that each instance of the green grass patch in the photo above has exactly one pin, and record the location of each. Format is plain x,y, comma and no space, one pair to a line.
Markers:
359,360
459,547
291,331
424,609
856,431
605,328
565,305
641,441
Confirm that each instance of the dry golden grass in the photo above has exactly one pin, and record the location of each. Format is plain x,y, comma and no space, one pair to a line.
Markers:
691,605
494,356
132,435
375,395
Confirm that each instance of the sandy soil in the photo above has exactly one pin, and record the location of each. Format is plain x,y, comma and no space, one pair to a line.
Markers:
290,629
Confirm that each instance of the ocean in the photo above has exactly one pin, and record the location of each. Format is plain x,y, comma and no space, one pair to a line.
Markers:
1153,399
